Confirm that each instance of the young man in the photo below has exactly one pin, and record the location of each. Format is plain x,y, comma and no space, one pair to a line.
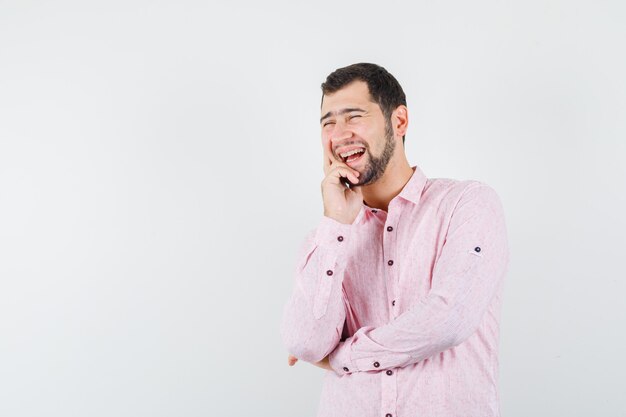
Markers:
398,290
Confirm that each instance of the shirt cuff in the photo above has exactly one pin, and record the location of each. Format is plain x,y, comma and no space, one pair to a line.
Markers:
340,359
359,353
330,232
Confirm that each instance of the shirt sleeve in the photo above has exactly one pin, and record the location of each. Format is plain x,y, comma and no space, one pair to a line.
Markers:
314,315
466,276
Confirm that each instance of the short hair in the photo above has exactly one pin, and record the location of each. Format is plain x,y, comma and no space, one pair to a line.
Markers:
383,87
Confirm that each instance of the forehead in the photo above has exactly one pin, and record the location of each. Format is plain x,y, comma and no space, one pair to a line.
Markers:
355,94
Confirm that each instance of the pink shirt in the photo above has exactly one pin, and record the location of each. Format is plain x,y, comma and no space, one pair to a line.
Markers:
407,302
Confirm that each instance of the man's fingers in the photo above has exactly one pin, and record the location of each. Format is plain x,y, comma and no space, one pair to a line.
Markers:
291,360
330,163
342,170
329,156
327,164
329,160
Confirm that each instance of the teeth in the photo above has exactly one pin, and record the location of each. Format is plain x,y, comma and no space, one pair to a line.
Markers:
352,152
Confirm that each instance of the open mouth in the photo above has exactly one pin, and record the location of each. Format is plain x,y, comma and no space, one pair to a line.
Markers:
353,156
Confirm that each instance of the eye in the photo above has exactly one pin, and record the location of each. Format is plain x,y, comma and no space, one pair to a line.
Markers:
356,115
328,123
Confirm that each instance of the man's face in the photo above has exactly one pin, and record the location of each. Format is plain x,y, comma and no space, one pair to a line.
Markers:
350,121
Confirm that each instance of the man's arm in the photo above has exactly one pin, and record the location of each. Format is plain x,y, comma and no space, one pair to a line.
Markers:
314,316
466,276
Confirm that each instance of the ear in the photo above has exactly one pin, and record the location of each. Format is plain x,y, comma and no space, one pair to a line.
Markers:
400,120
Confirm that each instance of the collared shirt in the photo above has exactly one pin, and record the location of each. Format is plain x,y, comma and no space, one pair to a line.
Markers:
406,302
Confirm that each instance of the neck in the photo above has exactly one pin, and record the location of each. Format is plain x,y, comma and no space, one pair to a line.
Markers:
397,174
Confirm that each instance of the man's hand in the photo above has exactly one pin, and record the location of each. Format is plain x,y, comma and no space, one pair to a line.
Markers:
324,363
340,203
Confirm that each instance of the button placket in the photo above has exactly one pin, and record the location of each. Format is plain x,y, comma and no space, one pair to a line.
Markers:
391,243
388,406
390,247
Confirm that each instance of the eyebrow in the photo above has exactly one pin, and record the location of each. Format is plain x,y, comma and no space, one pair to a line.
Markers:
340,112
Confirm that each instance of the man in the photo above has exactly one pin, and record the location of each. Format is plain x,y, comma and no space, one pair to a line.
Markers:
398,290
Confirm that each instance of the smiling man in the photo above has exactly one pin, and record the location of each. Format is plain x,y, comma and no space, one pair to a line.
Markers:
398,290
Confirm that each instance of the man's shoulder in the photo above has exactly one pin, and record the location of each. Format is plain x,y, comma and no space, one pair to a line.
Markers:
451,189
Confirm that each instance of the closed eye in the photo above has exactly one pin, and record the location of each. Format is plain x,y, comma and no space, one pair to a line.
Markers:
332,122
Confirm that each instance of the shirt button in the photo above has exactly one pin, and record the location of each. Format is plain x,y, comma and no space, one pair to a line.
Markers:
388,415
389,228
393,303
345,369
390,262
477,248
329,272
376,364
389,372
340,238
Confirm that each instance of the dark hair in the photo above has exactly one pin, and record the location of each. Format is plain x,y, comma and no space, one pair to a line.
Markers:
384,89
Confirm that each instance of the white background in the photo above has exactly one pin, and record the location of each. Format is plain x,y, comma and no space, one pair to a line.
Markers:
160,163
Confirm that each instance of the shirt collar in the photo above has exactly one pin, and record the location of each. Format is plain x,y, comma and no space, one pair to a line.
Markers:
412,190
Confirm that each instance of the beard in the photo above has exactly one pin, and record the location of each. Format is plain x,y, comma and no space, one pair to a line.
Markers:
376,166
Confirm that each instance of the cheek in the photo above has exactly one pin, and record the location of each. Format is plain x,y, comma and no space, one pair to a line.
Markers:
368,135
326,144
326,131
325,140
366,132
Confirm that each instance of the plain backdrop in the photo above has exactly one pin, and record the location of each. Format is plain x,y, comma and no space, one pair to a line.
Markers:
160,163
